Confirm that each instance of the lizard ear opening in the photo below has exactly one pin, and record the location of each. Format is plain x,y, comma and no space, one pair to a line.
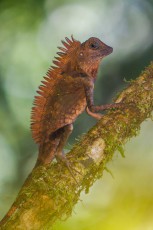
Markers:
81,55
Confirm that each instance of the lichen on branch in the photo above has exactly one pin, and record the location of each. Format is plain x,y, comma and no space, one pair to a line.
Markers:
51,192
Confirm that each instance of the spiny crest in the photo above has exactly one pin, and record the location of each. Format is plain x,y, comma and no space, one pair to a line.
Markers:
65,55
40,103
48,84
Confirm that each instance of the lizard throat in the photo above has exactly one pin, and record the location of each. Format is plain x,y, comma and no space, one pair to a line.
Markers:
92,70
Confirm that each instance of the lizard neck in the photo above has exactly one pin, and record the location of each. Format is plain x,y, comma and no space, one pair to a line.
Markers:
74,70
91,70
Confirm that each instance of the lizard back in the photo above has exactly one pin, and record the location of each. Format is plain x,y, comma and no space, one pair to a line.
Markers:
61,98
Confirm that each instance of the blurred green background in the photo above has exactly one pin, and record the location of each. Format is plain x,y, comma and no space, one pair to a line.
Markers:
30,31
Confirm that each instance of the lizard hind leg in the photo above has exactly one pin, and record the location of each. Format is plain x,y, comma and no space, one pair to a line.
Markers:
53,146
59,154
67,130
48,147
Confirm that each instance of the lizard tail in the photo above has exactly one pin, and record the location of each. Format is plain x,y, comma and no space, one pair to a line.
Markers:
46,155
8,215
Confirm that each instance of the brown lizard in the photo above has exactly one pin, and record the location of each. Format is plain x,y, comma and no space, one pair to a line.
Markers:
66,92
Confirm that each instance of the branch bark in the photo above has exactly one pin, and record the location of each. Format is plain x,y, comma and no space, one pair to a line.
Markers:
50,193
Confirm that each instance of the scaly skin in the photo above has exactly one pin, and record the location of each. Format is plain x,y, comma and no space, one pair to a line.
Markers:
66,92
64,95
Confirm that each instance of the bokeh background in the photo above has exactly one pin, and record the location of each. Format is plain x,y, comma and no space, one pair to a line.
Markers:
30,31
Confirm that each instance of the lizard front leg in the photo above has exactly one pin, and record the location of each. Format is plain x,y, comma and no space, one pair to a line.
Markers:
93,109
97,116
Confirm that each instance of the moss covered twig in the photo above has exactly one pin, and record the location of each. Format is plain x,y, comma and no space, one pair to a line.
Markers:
51,193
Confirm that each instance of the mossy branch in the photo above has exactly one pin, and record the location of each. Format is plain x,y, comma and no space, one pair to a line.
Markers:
51,193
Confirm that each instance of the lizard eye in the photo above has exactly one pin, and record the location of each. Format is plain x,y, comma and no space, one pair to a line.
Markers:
94,45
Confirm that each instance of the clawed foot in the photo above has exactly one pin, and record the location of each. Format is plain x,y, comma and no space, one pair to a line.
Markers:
112,106
97,115
118,105
61,158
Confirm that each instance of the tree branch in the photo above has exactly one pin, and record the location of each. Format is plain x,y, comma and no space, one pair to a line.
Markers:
50,193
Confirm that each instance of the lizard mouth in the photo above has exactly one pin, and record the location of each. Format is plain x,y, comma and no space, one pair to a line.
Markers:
106,51
103,52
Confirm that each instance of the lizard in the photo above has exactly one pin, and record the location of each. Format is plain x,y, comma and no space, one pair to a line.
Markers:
66,91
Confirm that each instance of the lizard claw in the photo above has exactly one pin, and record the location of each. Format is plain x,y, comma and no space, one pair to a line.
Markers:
62,158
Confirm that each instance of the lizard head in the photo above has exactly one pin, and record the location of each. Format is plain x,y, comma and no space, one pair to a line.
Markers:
81,58
90,54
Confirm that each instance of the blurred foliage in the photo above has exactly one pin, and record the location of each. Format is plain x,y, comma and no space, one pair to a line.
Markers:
30,32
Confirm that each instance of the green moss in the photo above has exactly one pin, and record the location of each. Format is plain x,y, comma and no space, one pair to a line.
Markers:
51,192
109,171
121,150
